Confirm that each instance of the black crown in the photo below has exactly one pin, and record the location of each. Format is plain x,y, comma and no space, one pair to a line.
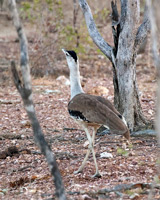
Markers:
73,54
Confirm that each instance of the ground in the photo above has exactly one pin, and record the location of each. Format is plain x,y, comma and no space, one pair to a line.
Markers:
24,173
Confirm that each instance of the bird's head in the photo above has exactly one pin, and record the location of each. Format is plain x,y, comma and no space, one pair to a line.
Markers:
72,59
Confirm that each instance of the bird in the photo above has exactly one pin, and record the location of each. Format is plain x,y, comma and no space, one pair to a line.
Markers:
91,111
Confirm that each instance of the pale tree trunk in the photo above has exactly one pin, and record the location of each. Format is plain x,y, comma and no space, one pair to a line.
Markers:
126,94
23,85
154,12
127,39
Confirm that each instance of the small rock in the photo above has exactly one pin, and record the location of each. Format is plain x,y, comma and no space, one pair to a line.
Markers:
98,90
134,196
52,91
63,80
106,155
23,136
86,197
86,143
25,124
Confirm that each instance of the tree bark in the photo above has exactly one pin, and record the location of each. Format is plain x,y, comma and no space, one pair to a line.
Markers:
127,39
154,14
24,87
126,93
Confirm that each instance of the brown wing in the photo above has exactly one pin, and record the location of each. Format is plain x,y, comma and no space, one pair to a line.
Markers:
89,108
108,104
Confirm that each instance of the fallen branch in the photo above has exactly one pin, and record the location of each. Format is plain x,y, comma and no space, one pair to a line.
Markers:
19,169
148,132
145,132
71,129
116,189
9,101
10,137
124,187
23,85
60,155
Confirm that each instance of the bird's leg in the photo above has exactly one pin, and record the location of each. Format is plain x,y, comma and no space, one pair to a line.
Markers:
91,143
97,174
88,151
93,135
84,162
90,148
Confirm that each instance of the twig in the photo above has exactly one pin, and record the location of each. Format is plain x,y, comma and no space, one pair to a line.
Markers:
25,90
10,137
20,169
71,129
116,189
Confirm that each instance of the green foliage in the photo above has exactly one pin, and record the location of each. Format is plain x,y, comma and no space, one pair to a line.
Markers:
49,17
122,152
26,6
55,30
101,15
130,146
157,179
134,193
37,9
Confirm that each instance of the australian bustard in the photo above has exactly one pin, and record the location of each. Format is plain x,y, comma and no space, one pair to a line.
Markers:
89,110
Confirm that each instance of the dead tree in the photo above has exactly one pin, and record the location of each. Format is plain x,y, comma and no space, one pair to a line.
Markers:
23,85
127,39
154,14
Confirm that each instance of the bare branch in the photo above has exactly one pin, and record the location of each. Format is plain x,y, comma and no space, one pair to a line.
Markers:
115,26
17,80
123,13
115,15
25,91
93,31
142,32
24,59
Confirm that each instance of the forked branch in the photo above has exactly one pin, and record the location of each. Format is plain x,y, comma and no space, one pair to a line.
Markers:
93,31
142,33
25,90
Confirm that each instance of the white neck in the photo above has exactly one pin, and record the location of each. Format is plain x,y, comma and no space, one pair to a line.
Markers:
76,87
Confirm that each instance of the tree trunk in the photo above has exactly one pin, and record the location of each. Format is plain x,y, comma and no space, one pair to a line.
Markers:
126,96
127,39
154,15
124,92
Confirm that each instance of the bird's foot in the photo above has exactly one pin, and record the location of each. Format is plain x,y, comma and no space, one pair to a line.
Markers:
96,175
77,171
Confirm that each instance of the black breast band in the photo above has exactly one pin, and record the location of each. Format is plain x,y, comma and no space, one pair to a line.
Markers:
77,115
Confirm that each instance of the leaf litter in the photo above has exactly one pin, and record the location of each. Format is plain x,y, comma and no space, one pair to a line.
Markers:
25,175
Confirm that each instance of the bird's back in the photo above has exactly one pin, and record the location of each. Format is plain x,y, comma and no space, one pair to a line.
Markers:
97,110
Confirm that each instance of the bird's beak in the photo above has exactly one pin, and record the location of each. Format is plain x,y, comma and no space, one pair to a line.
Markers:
64,51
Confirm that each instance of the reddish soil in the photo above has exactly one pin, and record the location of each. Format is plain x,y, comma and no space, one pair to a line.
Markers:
25,175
